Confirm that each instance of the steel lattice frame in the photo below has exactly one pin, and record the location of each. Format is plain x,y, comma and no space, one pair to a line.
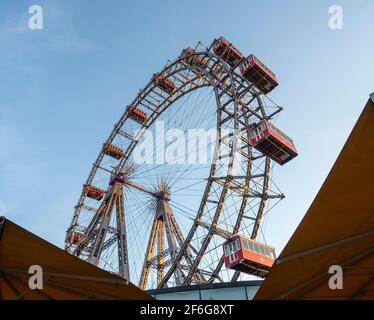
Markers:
238,171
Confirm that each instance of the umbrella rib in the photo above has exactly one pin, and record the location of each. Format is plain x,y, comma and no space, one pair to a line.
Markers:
10,285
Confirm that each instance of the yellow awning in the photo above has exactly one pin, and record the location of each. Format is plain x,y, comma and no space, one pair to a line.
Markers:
338,229
65,276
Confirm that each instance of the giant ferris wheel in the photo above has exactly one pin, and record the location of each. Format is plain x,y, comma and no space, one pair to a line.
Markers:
180,174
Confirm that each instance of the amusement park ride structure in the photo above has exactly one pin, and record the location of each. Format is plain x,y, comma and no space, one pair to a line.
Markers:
234,198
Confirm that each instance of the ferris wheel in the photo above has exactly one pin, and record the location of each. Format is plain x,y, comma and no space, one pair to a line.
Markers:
186,168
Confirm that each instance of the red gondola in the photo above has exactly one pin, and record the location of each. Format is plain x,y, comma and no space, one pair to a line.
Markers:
227,51
261,76
248,256
94,193
189,55
272,142
113,151
164,84
75,237
136,114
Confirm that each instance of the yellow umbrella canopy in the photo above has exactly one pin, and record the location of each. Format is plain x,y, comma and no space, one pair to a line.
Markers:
64,275
338,229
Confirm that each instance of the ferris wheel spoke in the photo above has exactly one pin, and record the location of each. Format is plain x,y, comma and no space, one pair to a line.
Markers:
161,142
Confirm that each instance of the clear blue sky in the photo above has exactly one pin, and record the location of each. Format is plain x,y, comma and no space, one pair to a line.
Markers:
62,89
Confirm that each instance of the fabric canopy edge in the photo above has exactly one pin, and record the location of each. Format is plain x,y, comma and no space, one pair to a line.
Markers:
2,222
110,279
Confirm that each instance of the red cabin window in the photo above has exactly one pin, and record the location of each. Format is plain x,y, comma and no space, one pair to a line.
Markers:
227,51
164,84
272,142
136,114
94,193
232,248
249,256
256,72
